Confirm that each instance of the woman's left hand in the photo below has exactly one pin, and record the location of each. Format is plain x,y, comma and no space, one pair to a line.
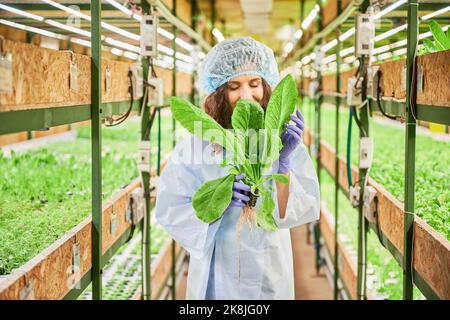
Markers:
290,138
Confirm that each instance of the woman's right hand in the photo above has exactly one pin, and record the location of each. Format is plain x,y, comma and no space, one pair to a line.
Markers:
240,193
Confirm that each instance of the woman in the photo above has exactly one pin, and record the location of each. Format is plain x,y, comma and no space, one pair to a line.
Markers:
257,264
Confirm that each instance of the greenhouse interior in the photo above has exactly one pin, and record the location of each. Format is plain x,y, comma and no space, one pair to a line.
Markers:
94,206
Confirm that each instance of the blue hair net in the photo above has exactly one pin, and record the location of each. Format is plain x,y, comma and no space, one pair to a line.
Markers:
235,57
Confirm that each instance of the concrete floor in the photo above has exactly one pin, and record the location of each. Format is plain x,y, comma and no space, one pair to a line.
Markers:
308,284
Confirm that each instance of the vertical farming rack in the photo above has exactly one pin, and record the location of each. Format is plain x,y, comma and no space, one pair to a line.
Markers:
45,94
411,89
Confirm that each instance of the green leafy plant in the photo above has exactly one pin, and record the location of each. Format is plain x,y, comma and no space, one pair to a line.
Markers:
251,127
440,42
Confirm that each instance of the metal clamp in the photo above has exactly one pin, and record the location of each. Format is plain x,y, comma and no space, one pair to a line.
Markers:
129,211
6,69
73,77
113,223
2,46
107,80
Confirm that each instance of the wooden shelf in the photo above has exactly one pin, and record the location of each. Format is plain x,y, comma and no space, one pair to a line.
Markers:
50,272
431,254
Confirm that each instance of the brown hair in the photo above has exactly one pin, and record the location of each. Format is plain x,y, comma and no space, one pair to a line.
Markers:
218,106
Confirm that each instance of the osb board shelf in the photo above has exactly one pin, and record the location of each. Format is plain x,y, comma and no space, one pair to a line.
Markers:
8,139
41,79
163,266
50,272
330,10
12,138
162,269
346,263
431,254
436,79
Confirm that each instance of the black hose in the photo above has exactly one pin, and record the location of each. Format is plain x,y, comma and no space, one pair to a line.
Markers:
349,142
380,107
124,117
358,122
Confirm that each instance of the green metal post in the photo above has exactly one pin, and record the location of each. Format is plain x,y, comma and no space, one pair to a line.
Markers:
336,161
96,151
302,15
410,150
362,222
304,107
318,104
213,20
146,222
30,36
194,18
174,93
158,168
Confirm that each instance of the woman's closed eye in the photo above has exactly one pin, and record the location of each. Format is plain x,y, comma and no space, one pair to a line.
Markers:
255,83
233,86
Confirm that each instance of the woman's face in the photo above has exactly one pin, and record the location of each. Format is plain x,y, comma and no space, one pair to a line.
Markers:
247,87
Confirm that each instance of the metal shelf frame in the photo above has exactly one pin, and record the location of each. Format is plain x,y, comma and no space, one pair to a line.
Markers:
43,118
402,109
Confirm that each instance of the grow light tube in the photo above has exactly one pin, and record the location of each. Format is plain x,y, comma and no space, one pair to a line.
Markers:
21,12
305,60
347,34
329,45
391,32
351,31
435,13
384,56
310,17
219,36
179,55
288,47
122,45
298,34
183,44
50,34
85,33
108,40
115,29
82,42
33,29
400,28
429,34
117,52
68,28
105,25
400,51
381,49
392,7
161,31
124,9
329,59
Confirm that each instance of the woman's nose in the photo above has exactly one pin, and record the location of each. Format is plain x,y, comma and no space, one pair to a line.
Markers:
246,93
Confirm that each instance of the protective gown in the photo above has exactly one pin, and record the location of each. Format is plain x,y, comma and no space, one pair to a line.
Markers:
259,264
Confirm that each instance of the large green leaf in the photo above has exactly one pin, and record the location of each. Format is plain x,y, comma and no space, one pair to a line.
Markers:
264,217
271,149
247,115
440,38
193,118
247,119
281,105
212,198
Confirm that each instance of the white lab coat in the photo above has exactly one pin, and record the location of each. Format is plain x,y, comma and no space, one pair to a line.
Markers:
260,265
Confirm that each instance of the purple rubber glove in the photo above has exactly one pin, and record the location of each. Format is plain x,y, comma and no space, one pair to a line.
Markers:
240,190
290,138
